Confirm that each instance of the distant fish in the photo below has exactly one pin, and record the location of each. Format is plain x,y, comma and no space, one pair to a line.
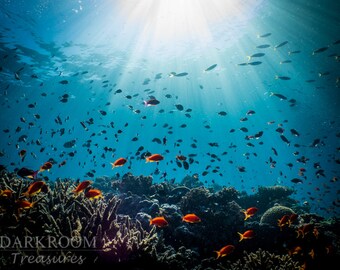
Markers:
179,107
284,78
24,172
263,46
151,102
222,113
296,180
320,50
255,55
293,52
280,45
256,63
64,82
285,62
264,35
16,76
211,67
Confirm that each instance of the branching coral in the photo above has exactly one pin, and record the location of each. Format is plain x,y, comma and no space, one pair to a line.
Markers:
264,260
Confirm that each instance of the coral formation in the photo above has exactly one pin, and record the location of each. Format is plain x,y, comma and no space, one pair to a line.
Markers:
273,214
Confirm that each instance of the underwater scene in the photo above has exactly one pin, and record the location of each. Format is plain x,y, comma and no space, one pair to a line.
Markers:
157,134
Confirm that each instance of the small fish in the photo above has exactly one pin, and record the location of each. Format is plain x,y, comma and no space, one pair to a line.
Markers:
62,163
151,102
84,126
246,235
22,154
284,78
24,204
82,186
6,193
255,55
118,163
282,97
283,138
256,63
249,212
294,132
285,62
293,52
64,82
280,45
154,158
222,113
35,188
93,194
211,67
250,112
320,50
263,46
179,107
226,250
191,218
181,74
283,221
16,76
296,180
181,158
24,172
46,166
159,222
264,35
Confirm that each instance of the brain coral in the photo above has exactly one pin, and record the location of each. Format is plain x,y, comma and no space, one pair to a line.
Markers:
273,214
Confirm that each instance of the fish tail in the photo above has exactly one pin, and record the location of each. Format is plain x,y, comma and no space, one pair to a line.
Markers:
249,57
276,77
241,236
218,254
150,222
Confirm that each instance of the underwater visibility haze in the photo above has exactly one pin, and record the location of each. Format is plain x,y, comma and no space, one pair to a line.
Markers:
222,110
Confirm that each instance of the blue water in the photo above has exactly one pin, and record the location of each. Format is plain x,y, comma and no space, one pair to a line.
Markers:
102,46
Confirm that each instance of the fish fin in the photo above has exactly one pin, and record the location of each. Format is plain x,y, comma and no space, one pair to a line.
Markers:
241,236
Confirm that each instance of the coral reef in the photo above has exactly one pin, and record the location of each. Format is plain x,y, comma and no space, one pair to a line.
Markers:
118,225
264,260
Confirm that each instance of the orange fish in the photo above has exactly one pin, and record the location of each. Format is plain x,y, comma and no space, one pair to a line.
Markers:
292,218
191,218
303,230
35,188
118,163
249,212
6,193
154,158
283,221
82,186
246,235
225,251
159,222
181,158
295,251
93,194
46,166
23,204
